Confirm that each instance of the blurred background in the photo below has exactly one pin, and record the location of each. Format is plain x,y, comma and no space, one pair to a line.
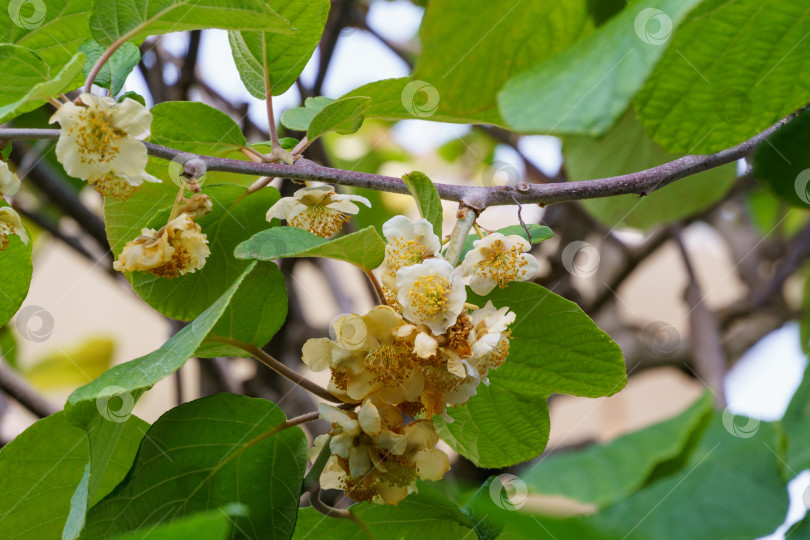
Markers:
743,251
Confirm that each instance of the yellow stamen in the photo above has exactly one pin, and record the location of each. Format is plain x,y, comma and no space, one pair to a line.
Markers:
428,296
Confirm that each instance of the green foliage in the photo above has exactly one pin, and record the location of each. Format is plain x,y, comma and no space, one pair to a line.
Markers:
206,454
364,248
115,70
796,425
28,81
299,118
782,162
342,116
627,149
211,525
8,346
195,127
417,514
16,269
732,69
539,233
427,199
41,468
585,89
465,44
508,422
282,57
53,29
136,19
132,379
606,473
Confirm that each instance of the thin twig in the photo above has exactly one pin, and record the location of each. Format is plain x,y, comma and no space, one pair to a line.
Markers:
17,387
278,367
377,289
479,198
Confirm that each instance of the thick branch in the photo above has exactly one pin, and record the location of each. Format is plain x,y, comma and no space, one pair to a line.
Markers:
640,183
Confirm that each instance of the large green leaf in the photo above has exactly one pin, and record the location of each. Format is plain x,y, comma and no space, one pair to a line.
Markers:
206,454
471,47
211,525
425,514
606,473
801,530
554,349
343,116
53,29
585,89
427,199
627,149
28,82
733,69
41,468
730,487
116,69
783,164
136,19
282,57
127,382
497,427
796,423
16,269
196,128
363,248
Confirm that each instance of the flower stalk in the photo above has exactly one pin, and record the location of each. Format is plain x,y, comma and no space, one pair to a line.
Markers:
459,235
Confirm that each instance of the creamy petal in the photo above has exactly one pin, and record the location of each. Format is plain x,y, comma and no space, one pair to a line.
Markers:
317,353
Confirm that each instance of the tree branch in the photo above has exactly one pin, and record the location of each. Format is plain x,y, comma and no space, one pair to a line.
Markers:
18,388
478,198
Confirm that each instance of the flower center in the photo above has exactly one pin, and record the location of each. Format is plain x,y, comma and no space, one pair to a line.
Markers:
389,363
320,220
401,253
428,296
96,137
113,186
503,265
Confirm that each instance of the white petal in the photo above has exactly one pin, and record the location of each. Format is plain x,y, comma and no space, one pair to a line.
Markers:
431,464
425,345
285,208
317,353
341,445
369,418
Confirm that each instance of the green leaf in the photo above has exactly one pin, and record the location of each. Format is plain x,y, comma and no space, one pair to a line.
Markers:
342,116
736,477
8,346
16,269
539,233
134,20
132,95
283,57
425,512
471,47
497,427
211,525
113,438
606,473
627,149
299,118
39,471
796,424
206,454
782,162
364,248
732,70
53,29
130,380
196,128
554,349
586,89
427,199
116,69
28,81
800,530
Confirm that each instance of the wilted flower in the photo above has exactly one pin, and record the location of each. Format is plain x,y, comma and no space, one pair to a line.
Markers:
374,456
317,209
9,183
10,224
409,243
429,294
97,143
496,260
178,248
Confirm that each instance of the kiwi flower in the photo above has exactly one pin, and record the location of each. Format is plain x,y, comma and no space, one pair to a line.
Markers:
496,260
9,183
10,224
317,209
409,243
